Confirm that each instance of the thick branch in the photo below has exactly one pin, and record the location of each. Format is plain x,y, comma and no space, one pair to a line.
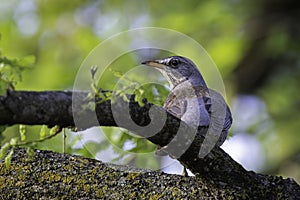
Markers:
37,108
49,175
55,108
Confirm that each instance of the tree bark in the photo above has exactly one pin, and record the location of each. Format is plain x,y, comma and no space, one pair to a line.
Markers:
216,170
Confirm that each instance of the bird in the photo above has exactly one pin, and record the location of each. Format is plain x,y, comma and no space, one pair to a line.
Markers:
191,100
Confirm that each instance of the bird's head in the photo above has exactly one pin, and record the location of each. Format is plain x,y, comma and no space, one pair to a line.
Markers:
178,69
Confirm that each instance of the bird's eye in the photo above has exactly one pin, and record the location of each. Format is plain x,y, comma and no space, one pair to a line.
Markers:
174,62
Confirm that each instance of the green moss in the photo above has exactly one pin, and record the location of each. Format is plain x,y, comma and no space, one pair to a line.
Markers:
44,175
156,197
132,176
175,191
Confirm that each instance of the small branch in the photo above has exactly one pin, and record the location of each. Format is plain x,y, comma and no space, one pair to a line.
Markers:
30,142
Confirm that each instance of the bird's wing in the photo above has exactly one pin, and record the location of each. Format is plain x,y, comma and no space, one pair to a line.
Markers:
219,110
175,106
221,119
209,101
189,104
228,120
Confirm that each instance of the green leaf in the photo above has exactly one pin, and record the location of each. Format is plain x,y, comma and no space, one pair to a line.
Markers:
14,141
55,130
43,132
30,152
11,71
2,128
4,149
22,131
26,62
139,96
8,158
116,73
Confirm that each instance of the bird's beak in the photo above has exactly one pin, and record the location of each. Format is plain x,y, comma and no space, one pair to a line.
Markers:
154,63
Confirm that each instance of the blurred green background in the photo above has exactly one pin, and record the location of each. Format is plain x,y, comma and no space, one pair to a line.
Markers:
255,44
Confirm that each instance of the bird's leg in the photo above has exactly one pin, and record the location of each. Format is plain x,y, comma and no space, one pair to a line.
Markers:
184,172
160,151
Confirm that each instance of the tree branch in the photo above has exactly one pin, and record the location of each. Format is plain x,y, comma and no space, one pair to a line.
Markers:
55,108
